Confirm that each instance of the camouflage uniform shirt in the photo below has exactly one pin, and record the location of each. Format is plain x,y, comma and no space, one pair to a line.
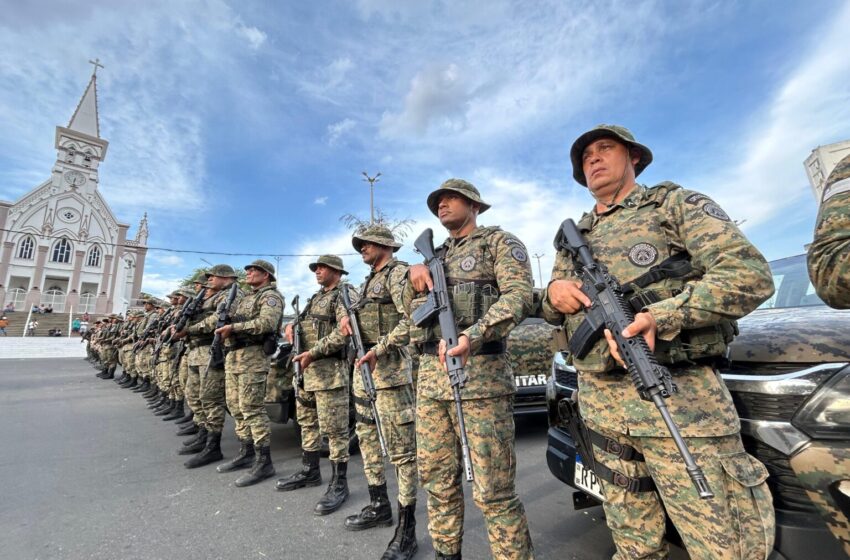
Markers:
829,253
731,279
255,315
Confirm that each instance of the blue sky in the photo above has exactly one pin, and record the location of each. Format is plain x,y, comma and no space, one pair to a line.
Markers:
244,126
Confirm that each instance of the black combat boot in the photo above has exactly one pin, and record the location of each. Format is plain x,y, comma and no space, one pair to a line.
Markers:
403,545
337,491
153,393
260,470
123,378
130,383
166,408
104,371
309,475
188,429
210,454
176,412
143,387
111,373
188,418
242,460
156,403
378,513
196,444
441,556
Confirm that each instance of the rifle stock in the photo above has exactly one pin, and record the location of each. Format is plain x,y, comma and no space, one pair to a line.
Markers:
651,379
298,378
223,313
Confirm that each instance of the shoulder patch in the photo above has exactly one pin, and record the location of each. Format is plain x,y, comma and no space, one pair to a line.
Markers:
467,264
695,198
715,211
271,301
513,241
519,254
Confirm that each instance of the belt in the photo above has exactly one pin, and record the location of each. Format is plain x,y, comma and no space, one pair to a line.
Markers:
487,349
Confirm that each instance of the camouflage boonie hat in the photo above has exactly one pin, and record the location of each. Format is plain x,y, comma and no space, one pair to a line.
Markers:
332,261
379,235
262,265
618,133
164,304
200,277
151,300
222,271
187,292
463,188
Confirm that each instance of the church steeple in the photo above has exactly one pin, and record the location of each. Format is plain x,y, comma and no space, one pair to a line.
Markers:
85,117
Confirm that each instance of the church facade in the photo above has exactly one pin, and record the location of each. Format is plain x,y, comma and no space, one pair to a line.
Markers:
60,244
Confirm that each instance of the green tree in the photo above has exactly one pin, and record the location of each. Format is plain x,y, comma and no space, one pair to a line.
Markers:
400,228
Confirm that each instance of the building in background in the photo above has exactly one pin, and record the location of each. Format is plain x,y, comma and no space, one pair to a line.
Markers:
60,244
821,163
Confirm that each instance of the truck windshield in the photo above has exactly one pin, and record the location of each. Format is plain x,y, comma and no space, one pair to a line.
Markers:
792,284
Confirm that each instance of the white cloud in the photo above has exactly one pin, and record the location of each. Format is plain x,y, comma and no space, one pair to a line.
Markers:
158,284
338,129
329,82
321,201
168,260
254,36
812,105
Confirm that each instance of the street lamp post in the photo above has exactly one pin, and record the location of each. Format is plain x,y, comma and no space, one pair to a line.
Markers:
539,270
371,181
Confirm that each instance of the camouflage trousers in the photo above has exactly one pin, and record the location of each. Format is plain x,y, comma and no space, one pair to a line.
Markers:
738,523
212,398
110,356
396,409
821,470
246,400
324,413
193,392
128,362
178,391
490,430
143,362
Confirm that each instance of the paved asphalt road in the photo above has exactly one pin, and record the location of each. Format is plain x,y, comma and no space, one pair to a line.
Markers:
89,473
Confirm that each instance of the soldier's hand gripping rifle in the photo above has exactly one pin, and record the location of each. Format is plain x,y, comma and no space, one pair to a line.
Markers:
652,380
297,343
187,312
150,329
438,305
365,369
222,318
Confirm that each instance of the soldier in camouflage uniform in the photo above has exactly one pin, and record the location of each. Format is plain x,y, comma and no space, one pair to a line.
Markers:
686,313
162,360
322,405
212,375
829,253
384,330
125,345
829,269
250,339
142,349
174,360
190,373
489,278
159,400
110,350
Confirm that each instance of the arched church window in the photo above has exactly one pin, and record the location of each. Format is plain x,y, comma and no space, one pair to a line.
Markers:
62,251
93,258
27,248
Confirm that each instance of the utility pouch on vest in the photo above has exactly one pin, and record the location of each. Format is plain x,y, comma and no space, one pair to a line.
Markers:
471,300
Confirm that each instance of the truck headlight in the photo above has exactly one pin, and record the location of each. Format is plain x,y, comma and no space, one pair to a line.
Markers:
827,413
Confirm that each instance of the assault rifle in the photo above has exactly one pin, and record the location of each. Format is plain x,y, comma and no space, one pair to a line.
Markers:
187,312
149,330
438,305
652,380
365,369
223,318
298,379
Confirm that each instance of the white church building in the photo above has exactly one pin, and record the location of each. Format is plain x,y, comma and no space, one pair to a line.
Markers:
60,244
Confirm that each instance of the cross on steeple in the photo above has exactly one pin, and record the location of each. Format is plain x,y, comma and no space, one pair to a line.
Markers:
97,65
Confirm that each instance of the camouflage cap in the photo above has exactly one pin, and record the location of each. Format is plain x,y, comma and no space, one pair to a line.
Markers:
377,234
150,299
332,261
187,292
838,180
262,265
618,133
200,277
464,188
222,271
164,304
